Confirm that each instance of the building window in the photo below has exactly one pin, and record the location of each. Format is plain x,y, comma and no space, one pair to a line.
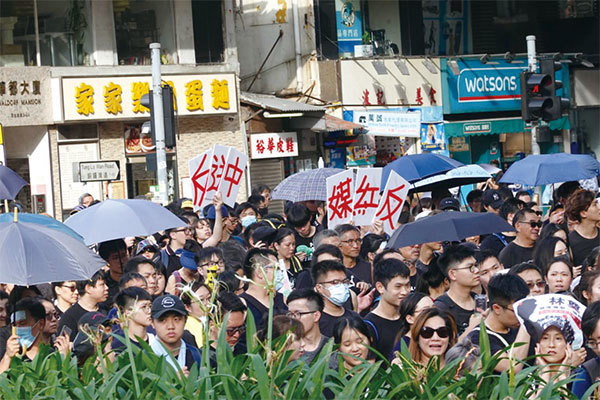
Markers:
139,23
208,30
63,38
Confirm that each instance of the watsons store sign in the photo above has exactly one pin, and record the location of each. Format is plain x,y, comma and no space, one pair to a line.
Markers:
479,87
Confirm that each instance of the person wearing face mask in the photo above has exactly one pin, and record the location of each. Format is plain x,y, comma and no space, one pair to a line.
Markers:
247,214
186,274
29,319
332,283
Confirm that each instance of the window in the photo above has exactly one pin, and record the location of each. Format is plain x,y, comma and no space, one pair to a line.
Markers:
208,30
141,22
64,33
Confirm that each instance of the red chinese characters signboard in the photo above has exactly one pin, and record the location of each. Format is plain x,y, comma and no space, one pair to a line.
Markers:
366,195
392,201
272,145
340,188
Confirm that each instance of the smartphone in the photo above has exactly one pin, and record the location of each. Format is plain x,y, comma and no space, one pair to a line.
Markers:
65,331
480,302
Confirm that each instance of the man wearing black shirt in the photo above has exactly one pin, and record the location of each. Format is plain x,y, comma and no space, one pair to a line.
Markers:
350,242
332,283
392,281
426,255
498,241
306,306
300,220
501,323
584,208
114,252
91,293
527,224
460,267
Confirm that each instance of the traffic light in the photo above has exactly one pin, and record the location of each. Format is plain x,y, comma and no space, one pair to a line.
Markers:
559,104
536,99
168,114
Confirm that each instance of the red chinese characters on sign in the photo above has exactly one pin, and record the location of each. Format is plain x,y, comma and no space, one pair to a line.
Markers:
380,97
280,146
260,146
232,176
366,195
340,188
419,99
289,145
365,98
432,93
393,198
271,145
199,169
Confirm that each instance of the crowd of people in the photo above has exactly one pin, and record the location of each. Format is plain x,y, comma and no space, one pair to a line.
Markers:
174,289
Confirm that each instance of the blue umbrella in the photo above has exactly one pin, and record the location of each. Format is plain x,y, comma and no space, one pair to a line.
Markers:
459,176
449,226
34,254
306,185
115,219
544,169
414,167
10,183
42,220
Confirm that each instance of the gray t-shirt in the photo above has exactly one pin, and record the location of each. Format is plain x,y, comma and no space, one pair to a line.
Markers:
309,356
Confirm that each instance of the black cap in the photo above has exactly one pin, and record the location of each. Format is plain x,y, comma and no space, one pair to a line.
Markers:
93,319
264,234
449,203
167,303
492,198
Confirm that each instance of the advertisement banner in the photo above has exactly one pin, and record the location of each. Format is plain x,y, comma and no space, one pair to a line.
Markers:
348,25
390,123
433,137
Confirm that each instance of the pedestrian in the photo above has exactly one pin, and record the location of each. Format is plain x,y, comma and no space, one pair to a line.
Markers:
527,224
410,308
197,303
583,207
549,248
559,275
285,246
495,242
489,265
176,241
354,339
350,242
114,252
589,287
492,200
307,306
3,308
134,305
589,372
532,275
290,328
147,269
65,295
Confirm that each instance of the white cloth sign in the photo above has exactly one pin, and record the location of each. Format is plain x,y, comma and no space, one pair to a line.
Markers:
340,188
541,312
219,160
366,195
199,171
392,202
232,176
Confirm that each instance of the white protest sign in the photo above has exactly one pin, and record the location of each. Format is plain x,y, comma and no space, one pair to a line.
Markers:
366,195
538,313
339,198
232,176
199,171
219,160
391,202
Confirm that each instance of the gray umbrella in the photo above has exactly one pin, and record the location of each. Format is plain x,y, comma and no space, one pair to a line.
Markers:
10,183
306,185
34,254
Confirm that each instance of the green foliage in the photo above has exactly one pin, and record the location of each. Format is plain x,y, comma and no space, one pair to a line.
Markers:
139,374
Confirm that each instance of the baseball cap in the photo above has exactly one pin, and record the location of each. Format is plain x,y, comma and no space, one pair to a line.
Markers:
210,213
187,204
93,319
449,203
167,303
186,259
491,197
146,244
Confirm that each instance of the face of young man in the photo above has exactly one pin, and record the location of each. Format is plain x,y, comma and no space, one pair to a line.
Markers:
506,315
139,312
395,291
151,276
169,328
301,310
329,280
117,259
488,268
466,273
593,212
98,292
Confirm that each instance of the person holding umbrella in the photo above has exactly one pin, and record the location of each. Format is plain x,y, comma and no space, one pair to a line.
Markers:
583,207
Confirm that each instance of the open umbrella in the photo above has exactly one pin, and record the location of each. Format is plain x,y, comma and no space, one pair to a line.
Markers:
306,185
115,219
449,226
10,183
34,254
44,221
414,167
492,169
464,175
544,169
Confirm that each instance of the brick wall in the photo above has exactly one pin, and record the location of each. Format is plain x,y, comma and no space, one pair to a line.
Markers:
52,132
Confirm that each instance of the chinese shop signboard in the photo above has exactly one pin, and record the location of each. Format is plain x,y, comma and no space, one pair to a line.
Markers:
25,96
272,145
120,97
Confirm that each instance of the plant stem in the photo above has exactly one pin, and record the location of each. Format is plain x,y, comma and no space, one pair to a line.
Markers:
131,360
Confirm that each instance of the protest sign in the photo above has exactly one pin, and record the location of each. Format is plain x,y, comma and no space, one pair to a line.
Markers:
199,169
393,198
232,176
366,195
339,198
540,312
219,160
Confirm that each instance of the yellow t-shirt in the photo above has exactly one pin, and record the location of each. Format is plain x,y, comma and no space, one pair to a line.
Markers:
196,328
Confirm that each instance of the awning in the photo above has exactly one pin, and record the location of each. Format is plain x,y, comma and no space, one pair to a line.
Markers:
273,103
334,124
496,126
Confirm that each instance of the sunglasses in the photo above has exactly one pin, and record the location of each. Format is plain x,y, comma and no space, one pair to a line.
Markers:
533,224
233,331
540,285
71,288
442,332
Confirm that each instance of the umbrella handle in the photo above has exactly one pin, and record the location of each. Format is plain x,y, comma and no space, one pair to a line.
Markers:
16,211
6,209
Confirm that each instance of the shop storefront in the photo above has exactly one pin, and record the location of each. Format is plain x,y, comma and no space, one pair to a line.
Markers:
482,104
102,119
586,114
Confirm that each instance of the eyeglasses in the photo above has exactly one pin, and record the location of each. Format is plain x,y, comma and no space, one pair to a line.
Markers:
473,268
539,213
186,229
539,285
237,329
210,264
298,314
532,224
592,344
72,288
506,308
337,282
442,332
352,241
52,315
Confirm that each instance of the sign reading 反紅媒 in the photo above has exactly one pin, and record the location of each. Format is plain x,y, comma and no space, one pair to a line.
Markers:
120,96
25,96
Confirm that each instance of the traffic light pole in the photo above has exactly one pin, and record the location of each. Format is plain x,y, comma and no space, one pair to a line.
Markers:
159,126
535,124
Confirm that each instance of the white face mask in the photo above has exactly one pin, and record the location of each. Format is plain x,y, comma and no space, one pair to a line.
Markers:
248,220
339,294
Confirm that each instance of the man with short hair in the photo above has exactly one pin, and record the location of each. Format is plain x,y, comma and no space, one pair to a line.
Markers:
86,200
427,254
306,306
132,279
458,264
135,304
527,224
114,252
326,236
146,268
410,256
392,281
492,200
350,241
474,199
489,265
532,275
501,324
299,218
92,293
495,242
332,283
583,207
524,196
322,253
168,319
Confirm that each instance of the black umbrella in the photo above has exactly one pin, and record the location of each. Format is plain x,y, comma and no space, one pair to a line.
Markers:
451,226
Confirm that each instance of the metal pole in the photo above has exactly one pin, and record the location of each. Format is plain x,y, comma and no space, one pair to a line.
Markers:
159,125
535,147
38,55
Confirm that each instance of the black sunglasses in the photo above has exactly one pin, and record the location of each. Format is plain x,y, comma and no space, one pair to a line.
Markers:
442,332
534,224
